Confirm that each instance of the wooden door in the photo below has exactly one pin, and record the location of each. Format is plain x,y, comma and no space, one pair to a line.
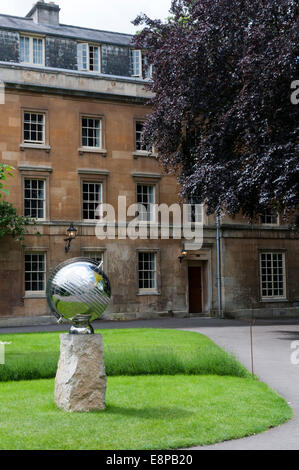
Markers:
195,294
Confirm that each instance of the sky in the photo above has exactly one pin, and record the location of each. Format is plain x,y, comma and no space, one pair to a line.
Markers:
110,15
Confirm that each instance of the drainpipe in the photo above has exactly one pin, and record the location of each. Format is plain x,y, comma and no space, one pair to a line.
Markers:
218,238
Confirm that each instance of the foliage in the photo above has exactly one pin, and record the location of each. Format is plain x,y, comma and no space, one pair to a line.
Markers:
222,115
5,170
35,356
10,222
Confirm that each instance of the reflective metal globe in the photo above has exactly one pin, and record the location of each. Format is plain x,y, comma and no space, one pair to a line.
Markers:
79,291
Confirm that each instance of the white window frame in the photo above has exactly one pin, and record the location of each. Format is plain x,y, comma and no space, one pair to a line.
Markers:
155,278
146,67
44,200
266,278
90,202
83,49
139,134
152,212
149,151
32,292
31,55
35,142
91,254
94,118
269,214
140,64
136,54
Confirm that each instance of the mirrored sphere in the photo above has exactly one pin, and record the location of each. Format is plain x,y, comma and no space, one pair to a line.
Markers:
79,291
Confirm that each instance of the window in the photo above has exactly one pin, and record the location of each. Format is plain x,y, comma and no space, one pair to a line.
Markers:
272,275
146,67
138,133
140,64
139,146
91,132
35,272
195,210
147,274
88,57
146,197
31,50
92,200
269,218
95,255
34,198
34,128
136,63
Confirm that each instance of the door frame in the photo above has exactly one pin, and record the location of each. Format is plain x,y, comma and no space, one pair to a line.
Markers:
195,265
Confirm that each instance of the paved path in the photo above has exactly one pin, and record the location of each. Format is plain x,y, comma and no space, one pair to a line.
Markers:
272,351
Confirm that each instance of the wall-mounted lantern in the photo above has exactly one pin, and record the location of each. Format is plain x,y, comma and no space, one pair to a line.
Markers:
182,255
71,235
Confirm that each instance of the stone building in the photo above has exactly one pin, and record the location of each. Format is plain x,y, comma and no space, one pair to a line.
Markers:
73,103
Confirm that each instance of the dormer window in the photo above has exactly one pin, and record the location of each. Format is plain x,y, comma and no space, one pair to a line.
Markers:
32,50
88,56
140,65
136,63
269,217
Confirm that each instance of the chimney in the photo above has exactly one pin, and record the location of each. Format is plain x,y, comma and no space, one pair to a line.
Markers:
45,13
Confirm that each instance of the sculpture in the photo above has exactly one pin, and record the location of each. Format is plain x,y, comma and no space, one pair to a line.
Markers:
78,291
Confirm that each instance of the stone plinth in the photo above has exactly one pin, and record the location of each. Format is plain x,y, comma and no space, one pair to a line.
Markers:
80,383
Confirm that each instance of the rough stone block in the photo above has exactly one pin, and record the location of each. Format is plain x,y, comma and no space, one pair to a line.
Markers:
80,383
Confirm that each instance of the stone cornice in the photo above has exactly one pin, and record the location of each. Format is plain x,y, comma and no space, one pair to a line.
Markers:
40,168
91,171
73,83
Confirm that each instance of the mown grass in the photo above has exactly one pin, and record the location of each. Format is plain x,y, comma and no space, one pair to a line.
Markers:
146,412
128,352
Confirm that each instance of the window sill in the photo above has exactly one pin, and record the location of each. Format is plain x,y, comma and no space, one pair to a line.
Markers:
83,150
269,225
273,300
143,153
93,72
25,146
32,64
91,221
153,292
35,295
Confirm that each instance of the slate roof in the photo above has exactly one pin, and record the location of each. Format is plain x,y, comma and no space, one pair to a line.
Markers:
62,30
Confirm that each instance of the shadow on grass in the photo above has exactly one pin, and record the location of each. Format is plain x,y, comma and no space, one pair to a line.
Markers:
159,412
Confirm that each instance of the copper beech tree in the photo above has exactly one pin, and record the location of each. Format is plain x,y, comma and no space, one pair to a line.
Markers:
222,112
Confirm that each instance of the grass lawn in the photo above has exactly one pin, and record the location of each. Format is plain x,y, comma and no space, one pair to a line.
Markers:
127,352
166,389
146,412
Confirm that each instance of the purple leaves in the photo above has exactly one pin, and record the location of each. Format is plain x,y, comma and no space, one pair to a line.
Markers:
222,117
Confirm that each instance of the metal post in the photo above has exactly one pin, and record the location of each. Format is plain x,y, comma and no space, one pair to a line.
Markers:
252,322
218,237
